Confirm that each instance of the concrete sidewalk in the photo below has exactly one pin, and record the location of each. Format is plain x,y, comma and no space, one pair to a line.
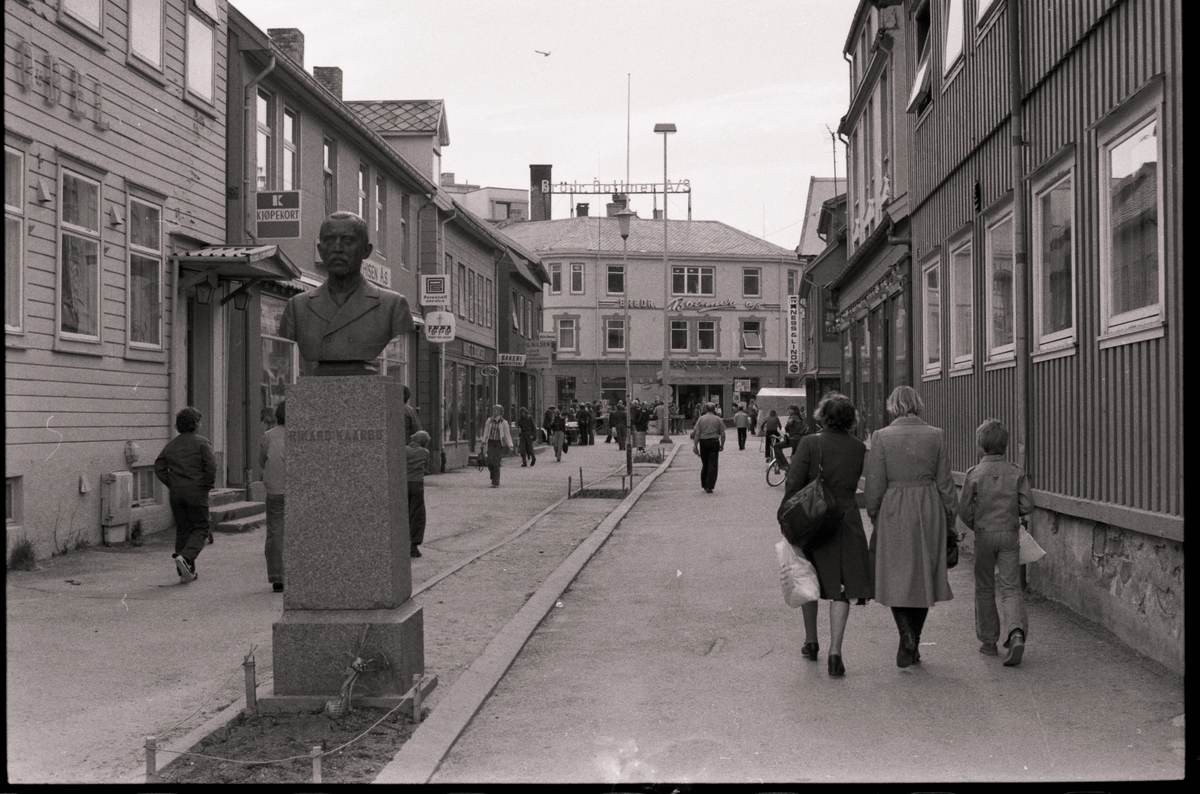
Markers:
105,646
674,659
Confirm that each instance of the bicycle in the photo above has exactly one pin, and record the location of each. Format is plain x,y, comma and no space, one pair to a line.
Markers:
775,474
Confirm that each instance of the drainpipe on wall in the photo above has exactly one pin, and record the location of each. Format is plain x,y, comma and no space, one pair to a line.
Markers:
250,125
1020,259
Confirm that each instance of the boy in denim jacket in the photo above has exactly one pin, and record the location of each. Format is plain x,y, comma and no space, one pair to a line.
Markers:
995,494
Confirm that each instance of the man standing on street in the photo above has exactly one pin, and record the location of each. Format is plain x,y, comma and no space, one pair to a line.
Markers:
498,438
741,420
584,417
708,439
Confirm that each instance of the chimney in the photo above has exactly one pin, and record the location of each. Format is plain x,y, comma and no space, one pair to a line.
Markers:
581,210
658,215
331,78
620,201
539,192
447,178
290,42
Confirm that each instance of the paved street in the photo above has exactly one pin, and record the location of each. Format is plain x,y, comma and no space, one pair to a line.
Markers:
674,658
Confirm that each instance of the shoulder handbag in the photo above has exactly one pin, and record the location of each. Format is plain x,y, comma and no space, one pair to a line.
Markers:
810,516
951,547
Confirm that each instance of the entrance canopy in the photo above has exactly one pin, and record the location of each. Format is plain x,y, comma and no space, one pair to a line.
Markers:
240,262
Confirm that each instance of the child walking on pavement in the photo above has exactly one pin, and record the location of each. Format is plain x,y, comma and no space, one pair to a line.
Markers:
995,494
417,453
188,468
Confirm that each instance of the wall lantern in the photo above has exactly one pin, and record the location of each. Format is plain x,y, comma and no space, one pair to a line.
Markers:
204,292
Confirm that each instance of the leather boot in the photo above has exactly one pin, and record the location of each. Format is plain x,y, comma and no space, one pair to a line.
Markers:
908,640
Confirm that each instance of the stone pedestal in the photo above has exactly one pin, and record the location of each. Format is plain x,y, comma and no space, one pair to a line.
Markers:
346,549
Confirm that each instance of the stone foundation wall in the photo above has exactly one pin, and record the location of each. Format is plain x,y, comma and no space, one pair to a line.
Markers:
1130,583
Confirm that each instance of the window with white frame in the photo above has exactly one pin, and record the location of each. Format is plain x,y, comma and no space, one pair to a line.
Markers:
515,306
14,240
752,335
88,13
919,97
679,336
576,278
405,208
706,335
931,314
329,169
614,334
616,279
793,281
79,257
201,53
998,292
462,290
364,191
692,280
143,486
568,328
982,9
264,141
291,144
961,307
952,54
1053,258
556,278
145,309
472,295
1131,213
12,500
146,32
489,303
751,282
380,209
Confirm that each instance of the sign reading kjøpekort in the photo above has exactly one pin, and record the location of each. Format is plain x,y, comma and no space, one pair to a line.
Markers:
277,214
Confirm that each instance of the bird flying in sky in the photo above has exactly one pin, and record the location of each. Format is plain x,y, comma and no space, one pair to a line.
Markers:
547,54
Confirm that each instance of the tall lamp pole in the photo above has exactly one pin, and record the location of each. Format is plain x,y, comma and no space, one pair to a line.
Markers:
666,129
623,220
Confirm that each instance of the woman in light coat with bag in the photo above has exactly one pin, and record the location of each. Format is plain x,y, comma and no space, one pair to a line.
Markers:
911,501
842,563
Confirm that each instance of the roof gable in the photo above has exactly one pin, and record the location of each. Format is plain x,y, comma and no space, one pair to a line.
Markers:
405,117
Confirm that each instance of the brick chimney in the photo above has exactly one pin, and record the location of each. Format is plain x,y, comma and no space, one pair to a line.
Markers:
620,201
331,78
539,192
290,42
581,210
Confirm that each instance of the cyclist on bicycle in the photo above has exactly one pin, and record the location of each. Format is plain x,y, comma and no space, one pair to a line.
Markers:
771,428
792,431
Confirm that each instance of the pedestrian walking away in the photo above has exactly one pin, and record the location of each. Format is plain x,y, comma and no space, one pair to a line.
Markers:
741,420
558,432
910,499
619,420
584,417
995,495
752,409
708,439
188,468
417,460
412,420
498,438
527,432
842,562
272,461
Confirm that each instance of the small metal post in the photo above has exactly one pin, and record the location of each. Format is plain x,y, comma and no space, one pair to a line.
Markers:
316,761
581,478
568,487
416,697
251,697
151,760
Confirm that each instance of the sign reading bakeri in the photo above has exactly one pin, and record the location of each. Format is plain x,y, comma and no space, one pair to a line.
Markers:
511,360
439,327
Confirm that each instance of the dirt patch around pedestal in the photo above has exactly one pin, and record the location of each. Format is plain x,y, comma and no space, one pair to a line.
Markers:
359,745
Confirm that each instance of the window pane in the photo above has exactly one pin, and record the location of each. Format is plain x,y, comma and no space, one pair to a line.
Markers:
12,272
556,279
14,177
616,334
750,281
1057,221
289,169
84,10
616,279
679,335
209,7
80,260
145,306
954,33
678,283
81,203
1001,264
933,323
200,58
144,225
960,264
1133,193
289,126
706,336
693,280
706,281
145,30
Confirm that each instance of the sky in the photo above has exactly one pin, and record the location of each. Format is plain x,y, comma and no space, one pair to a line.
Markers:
754,89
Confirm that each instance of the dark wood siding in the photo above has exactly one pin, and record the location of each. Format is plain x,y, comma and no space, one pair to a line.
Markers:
1104,424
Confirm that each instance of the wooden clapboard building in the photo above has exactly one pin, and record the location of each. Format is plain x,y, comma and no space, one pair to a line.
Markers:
1045,196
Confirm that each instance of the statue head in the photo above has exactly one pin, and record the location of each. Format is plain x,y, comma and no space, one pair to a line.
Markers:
343,244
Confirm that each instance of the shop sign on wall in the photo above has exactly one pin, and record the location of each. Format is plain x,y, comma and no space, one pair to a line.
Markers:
793,334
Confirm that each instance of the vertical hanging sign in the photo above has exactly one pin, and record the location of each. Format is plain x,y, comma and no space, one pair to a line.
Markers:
793,335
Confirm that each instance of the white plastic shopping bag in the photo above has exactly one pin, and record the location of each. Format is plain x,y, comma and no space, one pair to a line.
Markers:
797,576
1030,550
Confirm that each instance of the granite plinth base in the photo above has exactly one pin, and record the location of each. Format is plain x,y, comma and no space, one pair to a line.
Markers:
312,650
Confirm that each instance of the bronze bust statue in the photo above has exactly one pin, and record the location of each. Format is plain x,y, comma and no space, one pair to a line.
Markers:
344,324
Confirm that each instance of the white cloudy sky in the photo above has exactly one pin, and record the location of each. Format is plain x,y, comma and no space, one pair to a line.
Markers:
750,85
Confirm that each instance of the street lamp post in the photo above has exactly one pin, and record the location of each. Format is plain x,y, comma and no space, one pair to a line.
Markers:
666,129
623,221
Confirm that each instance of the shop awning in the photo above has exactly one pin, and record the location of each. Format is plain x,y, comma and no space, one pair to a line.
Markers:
240,262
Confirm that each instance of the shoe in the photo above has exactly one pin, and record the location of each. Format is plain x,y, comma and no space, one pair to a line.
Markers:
523,465
1016,647
989,649
495,485
533,462
708,490
414,551
917,652
277,587
836,667
809,650
908,644
187,570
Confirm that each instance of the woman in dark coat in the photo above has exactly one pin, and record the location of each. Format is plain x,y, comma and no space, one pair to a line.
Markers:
911,501
843,566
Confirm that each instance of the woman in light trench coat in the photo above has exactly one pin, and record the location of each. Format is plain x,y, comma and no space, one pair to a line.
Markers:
911,502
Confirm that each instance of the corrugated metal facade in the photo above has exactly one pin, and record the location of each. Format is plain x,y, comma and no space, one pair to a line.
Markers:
1105,425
